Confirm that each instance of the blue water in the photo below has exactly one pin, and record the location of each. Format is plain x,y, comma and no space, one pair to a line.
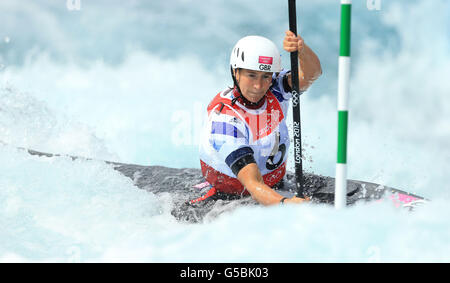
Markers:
130,81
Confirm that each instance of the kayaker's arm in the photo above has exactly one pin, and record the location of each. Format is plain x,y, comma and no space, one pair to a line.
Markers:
251,178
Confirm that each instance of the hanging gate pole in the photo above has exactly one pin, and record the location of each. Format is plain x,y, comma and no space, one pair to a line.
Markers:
340,197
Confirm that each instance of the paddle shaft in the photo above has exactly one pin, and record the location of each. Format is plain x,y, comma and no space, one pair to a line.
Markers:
296,105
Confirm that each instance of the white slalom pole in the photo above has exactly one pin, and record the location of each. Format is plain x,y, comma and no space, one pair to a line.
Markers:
340,197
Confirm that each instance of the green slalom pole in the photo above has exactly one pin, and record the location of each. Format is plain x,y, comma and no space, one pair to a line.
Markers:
340,197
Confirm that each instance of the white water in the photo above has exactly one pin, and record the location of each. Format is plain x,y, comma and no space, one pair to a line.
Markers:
132,87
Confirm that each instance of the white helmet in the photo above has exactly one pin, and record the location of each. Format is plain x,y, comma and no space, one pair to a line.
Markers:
256,53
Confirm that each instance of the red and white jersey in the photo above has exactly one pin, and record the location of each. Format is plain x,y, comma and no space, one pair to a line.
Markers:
236,131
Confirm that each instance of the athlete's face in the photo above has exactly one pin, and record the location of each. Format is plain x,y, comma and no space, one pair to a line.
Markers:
253,84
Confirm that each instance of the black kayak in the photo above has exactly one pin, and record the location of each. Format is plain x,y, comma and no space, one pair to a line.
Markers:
187,184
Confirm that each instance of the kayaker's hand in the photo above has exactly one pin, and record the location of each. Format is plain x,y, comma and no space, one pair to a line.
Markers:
297,200
293,43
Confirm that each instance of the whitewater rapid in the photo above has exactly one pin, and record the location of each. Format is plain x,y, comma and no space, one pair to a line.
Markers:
133,88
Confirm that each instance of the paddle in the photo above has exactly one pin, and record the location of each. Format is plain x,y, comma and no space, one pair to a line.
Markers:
296,105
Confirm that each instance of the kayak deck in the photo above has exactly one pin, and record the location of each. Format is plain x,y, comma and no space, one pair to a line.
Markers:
181,185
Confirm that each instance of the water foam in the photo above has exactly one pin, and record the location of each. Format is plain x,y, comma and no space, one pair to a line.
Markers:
59,95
